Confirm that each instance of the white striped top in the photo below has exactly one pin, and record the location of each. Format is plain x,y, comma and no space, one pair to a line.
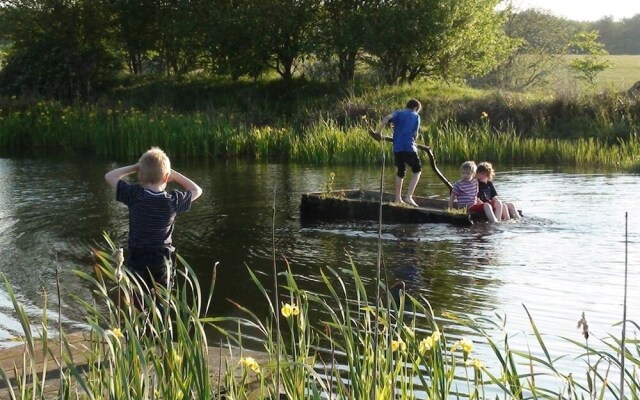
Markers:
466,192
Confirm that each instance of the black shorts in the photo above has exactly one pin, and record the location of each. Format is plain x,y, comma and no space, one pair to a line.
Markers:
151,265
404,158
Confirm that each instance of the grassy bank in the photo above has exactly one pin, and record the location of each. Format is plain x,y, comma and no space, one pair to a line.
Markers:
323,124
361,341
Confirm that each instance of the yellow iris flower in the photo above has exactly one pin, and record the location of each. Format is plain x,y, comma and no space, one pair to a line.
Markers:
250,363
398,345
288,310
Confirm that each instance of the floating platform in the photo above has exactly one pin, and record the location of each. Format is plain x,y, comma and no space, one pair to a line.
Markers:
357,204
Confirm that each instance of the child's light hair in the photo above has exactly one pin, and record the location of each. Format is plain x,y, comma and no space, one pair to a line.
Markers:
485,167
154,166
469,166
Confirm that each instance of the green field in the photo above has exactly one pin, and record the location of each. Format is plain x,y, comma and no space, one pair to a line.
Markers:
624,72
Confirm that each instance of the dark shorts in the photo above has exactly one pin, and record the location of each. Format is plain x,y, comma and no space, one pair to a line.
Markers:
151,265
404,158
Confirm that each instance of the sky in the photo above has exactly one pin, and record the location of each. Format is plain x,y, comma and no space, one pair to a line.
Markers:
584,10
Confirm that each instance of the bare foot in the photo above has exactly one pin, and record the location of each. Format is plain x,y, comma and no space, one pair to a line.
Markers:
399,202
411,201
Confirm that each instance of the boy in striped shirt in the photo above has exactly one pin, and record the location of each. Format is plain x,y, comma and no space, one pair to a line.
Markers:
152,213
465,191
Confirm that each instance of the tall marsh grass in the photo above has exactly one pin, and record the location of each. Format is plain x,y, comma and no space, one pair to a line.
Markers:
126,133
334,345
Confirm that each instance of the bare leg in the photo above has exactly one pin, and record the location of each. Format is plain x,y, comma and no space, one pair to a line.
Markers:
412,188
491,217
399,190
500,210
512,210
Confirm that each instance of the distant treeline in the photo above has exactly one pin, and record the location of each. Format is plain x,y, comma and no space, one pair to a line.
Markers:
76,50
621,37
618,37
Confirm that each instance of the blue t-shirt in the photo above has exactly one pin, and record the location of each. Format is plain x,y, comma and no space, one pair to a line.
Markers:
406,124
151,214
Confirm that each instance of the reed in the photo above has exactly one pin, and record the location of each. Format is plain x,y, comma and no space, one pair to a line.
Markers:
480,141
126,133
327,347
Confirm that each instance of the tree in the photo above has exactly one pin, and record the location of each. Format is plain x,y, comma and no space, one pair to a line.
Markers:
541,43
243,37
619,37
233,38
629,36
407,39
288,27
59,48
590,64
341,34
179,42
137,22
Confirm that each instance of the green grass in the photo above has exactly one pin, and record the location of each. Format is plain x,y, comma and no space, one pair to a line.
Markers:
127,133
623,73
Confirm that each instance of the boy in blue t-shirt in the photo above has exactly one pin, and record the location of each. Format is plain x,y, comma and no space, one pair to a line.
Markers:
152,212
406,127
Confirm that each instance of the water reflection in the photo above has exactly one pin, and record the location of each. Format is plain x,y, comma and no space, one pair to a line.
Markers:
566,257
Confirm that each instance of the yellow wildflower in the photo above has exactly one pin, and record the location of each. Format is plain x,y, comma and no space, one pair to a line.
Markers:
436,336
484,115
398,345
425,345
475,363
117,333
467,345
288,310
250,363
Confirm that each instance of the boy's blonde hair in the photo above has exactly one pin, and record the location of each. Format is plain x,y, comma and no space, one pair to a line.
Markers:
486,168
469,166
154,166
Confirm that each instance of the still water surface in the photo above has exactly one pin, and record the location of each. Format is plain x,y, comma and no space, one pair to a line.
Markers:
566,257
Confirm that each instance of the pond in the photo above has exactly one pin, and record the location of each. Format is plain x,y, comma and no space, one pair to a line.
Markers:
566,257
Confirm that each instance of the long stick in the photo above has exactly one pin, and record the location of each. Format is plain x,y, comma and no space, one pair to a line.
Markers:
623,350
374,387
432,158
276,295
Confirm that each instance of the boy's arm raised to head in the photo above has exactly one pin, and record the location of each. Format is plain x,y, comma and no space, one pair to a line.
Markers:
112,177
186,183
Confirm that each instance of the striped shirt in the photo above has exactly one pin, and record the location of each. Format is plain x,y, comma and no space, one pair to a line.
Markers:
151,214
466,192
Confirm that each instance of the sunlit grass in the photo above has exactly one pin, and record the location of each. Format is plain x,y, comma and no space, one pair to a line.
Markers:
624,72
119,133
